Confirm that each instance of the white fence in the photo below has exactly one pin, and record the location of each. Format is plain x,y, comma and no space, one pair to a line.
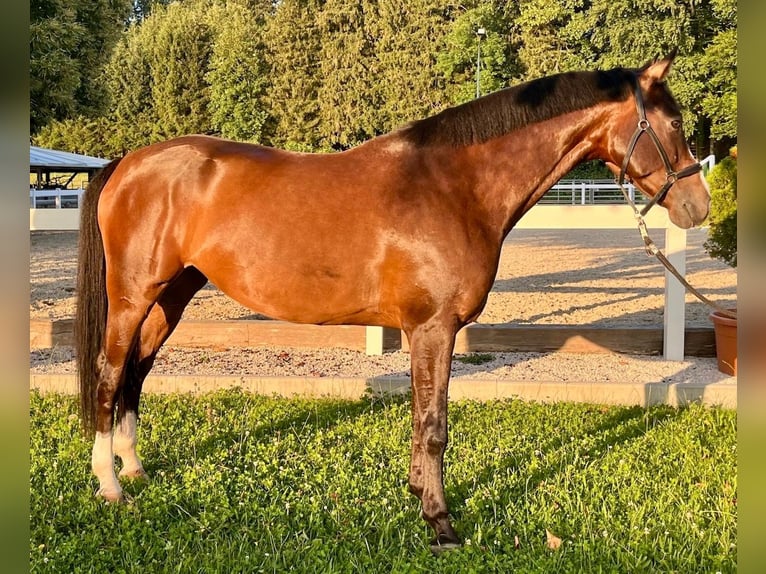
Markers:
589,192
55,198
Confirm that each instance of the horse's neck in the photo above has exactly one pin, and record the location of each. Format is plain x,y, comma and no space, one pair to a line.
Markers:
514,171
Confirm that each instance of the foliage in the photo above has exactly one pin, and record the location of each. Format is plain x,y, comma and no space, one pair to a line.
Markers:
495,53
142,8
69,43
722,235
595,169
238,75
292,46
407,42
89,136
348,94
550,42
719,102
245,483
326,74
705,79
178,62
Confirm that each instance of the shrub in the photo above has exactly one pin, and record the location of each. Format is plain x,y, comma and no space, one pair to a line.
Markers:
722,236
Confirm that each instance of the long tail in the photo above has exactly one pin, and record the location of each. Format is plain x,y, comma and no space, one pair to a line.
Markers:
90,318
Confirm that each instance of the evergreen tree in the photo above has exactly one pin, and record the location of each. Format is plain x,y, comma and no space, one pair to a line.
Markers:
550,42
89,136
69,44
156,76
328,74
348,97
129,80
409,36
178,59
495,52
238,75
293,46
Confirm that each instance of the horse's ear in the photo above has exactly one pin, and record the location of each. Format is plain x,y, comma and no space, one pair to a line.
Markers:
656,71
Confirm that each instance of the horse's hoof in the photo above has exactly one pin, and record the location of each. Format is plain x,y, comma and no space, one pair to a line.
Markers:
111,496
443,543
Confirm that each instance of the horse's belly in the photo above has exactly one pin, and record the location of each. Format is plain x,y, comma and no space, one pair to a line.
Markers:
302,291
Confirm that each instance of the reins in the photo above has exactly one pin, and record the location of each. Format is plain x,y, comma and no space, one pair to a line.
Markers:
671,177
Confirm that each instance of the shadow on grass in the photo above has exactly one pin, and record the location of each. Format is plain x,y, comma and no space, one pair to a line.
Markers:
620,426
306,418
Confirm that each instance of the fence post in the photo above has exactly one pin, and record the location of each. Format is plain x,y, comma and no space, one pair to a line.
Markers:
674,318
373,340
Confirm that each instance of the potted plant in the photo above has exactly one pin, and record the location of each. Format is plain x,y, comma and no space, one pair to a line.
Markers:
722,245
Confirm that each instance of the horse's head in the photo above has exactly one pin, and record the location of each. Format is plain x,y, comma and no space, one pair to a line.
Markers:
648,146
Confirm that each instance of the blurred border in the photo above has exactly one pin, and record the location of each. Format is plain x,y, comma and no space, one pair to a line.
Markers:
14,303
751,281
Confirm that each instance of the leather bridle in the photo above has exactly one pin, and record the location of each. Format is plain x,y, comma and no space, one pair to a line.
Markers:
671,175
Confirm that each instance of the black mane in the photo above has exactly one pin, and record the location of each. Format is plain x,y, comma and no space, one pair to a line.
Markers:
512,108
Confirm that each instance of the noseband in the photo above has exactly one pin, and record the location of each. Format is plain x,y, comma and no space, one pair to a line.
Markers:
672,176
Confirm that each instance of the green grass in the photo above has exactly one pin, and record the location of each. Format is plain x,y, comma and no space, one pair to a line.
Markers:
242,483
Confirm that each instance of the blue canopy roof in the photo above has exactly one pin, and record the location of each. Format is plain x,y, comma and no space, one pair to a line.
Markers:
41,158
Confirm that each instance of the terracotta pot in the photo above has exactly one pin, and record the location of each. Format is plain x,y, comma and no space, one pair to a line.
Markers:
725,342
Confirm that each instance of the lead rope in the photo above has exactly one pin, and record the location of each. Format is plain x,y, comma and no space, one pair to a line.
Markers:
652,249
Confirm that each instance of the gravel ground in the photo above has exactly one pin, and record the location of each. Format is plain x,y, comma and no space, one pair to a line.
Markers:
573,277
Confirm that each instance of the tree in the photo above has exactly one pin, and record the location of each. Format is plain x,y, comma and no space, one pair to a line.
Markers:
89,136
328,74
293,45
238,73
54,72
550,37
719,62
178,62
142,8
157,76
463,46
579,34
722,239
348,94
408,38
70,42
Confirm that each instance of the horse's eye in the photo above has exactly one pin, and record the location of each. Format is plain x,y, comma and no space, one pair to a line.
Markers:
676,124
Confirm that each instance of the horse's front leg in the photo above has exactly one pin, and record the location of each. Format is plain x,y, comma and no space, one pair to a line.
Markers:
431,348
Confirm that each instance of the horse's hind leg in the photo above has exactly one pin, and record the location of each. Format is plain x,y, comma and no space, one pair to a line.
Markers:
124,319
158,326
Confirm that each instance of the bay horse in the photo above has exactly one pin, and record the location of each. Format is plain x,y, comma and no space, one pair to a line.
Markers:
403,231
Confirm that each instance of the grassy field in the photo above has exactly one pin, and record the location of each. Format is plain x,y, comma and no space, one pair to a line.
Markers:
243,483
